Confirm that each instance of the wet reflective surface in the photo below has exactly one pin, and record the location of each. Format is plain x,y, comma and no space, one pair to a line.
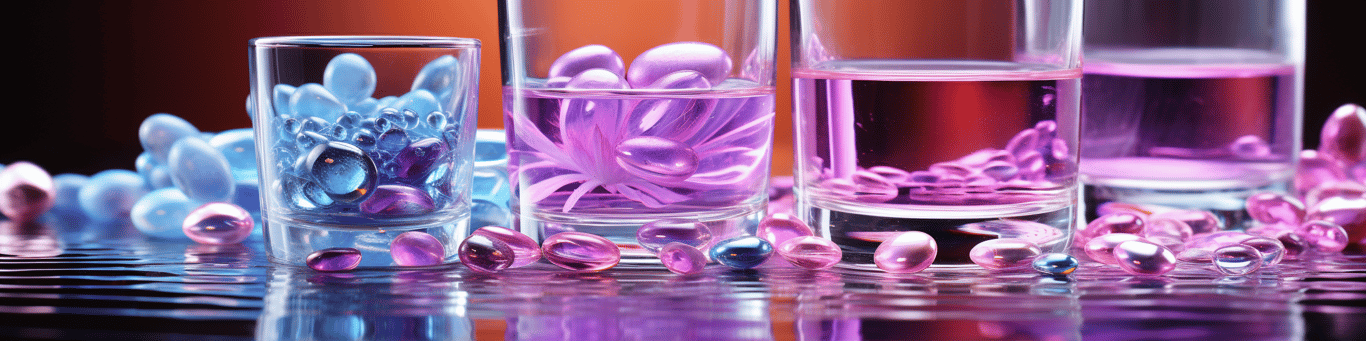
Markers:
91,282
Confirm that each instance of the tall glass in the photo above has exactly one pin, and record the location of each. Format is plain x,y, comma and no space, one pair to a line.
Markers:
362,139
954,118
1191,103
623,112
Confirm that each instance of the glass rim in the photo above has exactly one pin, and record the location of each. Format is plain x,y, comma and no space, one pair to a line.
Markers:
365,41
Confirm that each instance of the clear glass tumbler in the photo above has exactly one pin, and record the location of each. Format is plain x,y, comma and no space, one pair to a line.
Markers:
624,112
363,138
1193,104
955,118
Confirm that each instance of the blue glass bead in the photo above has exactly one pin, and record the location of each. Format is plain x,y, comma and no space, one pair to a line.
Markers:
364,138
393,140
200,171
289,127
350,120
1055,264
308,140
410,119
337,133
365,108
387,101
655,234
67,187
439,77
393,200
349,77
389,118
345,172
416,101
435,121
162,213
742,252
313,124
158,132
280,95
484,213
313,100
303,194
156,175
238,146
419,158
143,164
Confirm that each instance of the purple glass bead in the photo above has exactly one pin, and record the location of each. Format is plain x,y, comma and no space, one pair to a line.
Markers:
657,159
1323,236
744,252
682,258
1140,257
416,248
1004,253
1200,221
1167,228
524,249
1201,246
486,254
1314,170
811,252
777,228
587,57
655,234
1271,250
581,251
1101,249
334,259
1273,208
419,158
907,252
655,63
394,200
1237,260
26,191
1350,213
1114,223
1295,245
218,223
1343,138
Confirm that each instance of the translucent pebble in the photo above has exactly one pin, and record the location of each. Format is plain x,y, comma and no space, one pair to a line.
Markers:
1343,138
364,138
349,77
1167,228
1055,264
162,213
416,248
159,131
1004,253
416,101
655,234
525,251
440,77
421,157
485,254
109,195
1271,250
580,251
238,146
682,258
1114,223
1275,208
1323,236
779,227
343,171
334,259
66,189
280,95
435,120
1237,260
313,100
26,191
218,223
1200,246
393,140
1141,257
662,60
744,252
1350,213
656,159
811,252
1200,221
1000,170
200,171
587,57
907,252
1101,249
870,187
1313,170
397,200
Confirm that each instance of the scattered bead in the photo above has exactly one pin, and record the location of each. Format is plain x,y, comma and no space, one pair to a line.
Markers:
655,63
313,100
1200,221
159,131
743,252
1101,249
1237,260
1295,246
1275,208
777,228
1004,253
110,195
1323,236
417,248
1201,246
26,191
682,258
1343,137
811,252
350,77
1114,223
343,171
1140,257
657,159
334,259
484,253
218,223
581,251
161,213
1271,250
397,200
1055,264
1167,228
587,57
655,234
907,252
524,249
1349,213
200,170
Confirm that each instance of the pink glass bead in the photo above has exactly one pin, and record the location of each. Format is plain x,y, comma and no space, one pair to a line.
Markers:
1143,258
397,200
334,259
1199,221
484,253
587,57
779,227
1237,260
1346,189
1101,249
1295,245
1348,213
1343,138
26,191
1201,246
657,159
581,251
811,252
524,249
218,223
1004,253
1114,223
1167,228
906,252
1323,236
1271,250
654,235
1273,208
1314,170
1122,207
682,258
655,63
416,248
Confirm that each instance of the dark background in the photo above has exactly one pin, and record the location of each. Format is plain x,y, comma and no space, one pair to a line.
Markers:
86,73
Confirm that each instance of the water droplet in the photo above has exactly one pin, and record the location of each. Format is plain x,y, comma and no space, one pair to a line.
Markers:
1237,260
1004,253
345,172
1141,257
525,251
1055,264
218,223
655,63
744,252
485,254
580,251
907,252
350,77
655,234
682,258
811,252
334,259
416,248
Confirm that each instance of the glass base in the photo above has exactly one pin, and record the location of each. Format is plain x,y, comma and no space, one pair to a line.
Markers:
1228,203
290,241
621,229
859,233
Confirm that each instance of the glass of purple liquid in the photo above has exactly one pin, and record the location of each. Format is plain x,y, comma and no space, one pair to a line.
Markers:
614,122
964,128
1193,104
